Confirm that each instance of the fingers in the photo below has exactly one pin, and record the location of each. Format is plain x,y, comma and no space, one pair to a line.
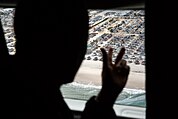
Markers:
125,71
110,52
120,55
107,58
121,63
104,56
123,68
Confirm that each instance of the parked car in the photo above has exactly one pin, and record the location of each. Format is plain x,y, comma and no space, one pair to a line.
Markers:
143,62
129,61
95,58
137,62
88,58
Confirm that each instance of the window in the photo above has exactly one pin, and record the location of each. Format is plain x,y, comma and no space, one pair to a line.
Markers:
6,17
107,28
113,28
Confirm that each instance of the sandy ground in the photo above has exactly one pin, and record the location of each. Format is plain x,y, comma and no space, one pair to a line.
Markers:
90,73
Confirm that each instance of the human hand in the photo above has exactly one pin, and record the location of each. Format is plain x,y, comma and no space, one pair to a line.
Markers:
114,76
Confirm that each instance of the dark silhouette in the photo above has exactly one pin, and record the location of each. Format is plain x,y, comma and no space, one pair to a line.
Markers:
6,72
51,44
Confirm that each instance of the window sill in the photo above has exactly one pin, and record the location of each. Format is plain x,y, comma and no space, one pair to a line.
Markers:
121,110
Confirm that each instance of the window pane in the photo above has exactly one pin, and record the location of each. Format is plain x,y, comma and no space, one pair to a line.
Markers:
112,28
6,16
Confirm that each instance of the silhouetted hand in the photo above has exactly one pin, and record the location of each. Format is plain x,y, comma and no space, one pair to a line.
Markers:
114,76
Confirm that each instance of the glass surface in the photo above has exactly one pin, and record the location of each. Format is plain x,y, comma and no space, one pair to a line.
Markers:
113,28
6,17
